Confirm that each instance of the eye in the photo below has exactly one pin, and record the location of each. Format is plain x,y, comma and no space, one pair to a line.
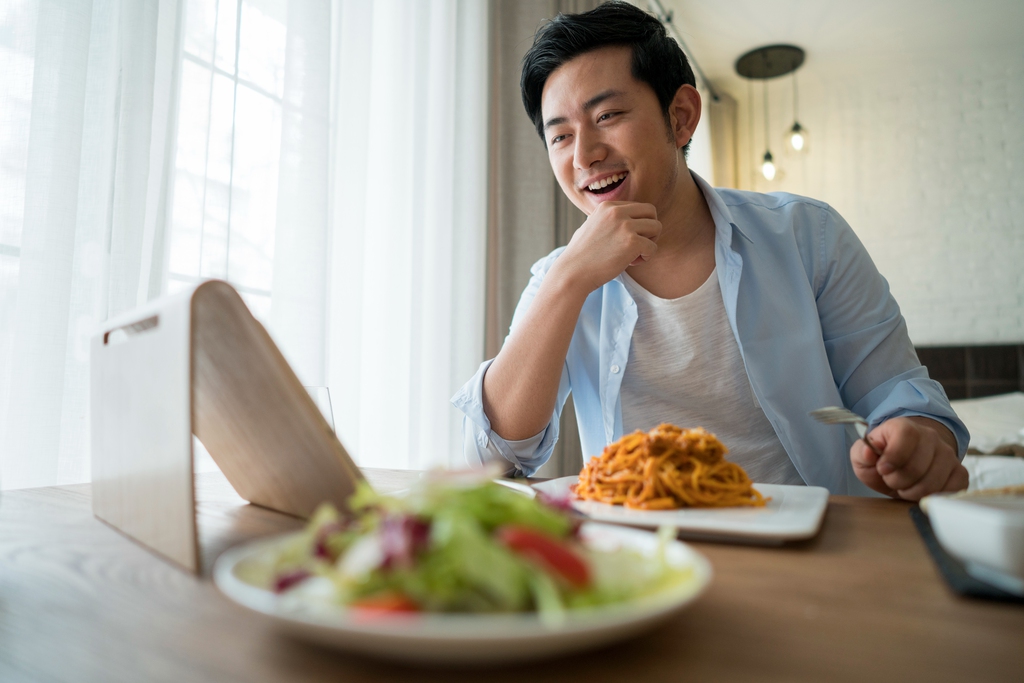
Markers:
607,115
558,138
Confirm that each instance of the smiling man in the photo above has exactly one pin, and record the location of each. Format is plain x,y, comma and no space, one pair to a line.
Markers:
677,302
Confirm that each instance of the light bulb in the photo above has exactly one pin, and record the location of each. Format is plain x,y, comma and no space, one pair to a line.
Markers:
796,138
768,167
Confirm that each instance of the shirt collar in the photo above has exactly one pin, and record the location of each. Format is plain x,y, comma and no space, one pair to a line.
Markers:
719,212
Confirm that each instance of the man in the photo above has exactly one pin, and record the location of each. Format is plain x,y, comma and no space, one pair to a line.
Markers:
676,302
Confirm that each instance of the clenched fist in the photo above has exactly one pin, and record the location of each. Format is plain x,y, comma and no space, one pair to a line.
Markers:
918,458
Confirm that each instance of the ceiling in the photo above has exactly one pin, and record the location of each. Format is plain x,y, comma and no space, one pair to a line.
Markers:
842,34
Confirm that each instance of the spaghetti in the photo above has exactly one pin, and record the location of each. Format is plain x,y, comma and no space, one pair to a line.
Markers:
664,469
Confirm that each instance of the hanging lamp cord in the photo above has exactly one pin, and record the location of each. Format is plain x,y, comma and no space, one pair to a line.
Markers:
796,102
750,118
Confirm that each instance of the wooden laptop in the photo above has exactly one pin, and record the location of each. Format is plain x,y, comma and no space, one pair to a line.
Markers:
199,362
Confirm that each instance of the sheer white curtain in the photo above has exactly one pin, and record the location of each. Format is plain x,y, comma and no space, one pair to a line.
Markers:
87,93
327,158
406,305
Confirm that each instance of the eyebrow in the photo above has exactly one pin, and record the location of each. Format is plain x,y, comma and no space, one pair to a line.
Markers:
587,106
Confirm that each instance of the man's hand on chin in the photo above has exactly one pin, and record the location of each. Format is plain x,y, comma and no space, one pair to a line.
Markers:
918,458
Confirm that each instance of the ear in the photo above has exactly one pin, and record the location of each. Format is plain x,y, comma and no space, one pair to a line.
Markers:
684,114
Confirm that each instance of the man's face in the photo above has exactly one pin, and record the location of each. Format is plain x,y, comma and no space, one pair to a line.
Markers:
602,126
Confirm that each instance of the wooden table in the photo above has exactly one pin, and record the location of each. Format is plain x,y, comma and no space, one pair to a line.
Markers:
861,602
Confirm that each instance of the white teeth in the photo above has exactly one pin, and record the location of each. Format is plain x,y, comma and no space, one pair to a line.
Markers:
606,182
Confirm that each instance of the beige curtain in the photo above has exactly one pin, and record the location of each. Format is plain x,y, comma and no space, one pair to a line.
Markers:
529,214
724,150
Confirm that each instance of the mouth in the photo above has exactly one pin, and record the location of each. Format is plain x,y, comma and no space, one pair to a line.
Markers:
607,184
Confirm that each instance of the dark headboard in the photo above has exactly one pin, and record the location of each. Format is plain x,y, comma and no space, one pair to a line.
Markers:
975,371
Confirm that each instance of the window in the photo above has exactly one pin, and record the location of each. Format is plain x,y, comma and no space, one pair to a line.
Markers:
229,139
304,151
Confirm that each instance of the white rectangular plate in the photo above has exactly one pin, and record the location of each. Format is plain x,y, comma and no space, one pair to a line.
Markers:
793,513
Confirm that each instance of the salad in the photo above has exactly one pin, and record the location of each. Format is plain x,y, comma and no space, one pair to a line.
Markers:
447,546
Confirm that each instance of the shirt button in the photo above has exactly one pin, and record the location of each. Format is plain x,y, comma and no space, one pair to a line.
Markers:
482,440
615,369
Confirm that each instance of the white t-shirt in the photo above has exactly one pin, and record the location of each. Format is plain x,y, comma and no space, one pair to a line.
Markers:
685,368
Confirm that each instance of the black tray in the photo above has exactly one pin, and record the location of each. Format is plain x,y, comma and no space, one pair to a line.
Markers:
953,569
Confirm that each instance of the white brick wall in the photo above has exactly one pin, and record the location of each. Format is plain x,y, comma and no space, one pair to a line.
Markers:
925,159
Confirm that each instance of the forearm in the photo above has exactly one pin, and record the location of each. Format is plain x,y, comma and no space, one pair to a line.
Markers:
521,386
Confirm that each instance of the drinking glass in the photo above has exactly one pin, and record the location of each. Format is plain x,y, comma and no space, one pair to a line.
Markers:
322,398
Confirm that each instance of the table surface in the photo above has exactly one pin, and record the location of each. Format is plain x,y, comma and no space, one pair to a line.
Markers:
861,601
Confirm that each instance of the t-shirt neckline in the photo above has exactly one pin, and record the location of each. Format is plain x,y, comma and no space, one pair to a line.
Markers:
635,288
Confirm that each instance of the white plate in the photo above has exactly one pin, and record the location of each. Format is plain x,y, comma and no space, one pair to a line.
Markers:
793,513
469,638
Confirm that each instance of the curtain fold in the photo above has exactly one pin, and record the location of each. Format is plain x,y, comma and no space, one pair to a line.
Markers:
722,119
300,264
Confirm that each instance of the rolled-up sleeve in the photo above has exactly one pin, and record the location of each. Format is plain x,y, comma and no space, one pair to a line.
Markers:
482,445
910,396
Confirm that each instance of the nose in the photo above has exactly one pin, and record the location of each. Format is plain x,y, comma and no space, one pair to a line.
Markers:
589,149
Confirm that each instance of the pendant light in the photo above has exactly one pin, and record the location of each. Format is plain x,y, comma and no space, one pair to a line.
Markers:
762,64
796,137
768,169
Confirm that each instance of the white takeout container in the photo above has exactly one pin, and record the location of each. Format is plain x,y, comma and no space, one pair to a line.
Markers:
985,532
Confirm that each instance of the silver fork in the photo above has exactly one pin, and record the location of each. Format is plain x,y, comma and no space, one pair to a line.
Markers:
834,415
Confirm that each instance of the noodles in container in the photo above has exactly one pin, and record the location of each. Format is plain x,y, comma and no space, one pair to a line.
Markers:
667,468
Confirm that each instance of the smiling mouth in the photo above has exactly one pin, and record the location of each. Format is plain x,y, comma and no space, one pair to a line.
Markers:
607,184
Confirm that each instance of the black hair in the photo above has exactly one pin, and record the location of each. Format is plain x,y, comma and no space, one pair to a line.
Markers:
657,58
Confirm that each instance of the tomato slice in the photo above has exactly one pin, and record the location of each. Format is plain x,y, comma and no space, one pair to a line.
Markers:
549,552
385,603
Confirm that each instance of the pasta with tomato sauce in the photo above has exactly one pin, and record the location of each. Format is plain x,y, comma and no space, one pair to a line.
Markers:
667,468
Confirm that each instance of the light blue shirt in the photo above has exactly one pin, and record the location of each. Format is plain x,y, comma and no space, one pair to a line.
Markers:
814,321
